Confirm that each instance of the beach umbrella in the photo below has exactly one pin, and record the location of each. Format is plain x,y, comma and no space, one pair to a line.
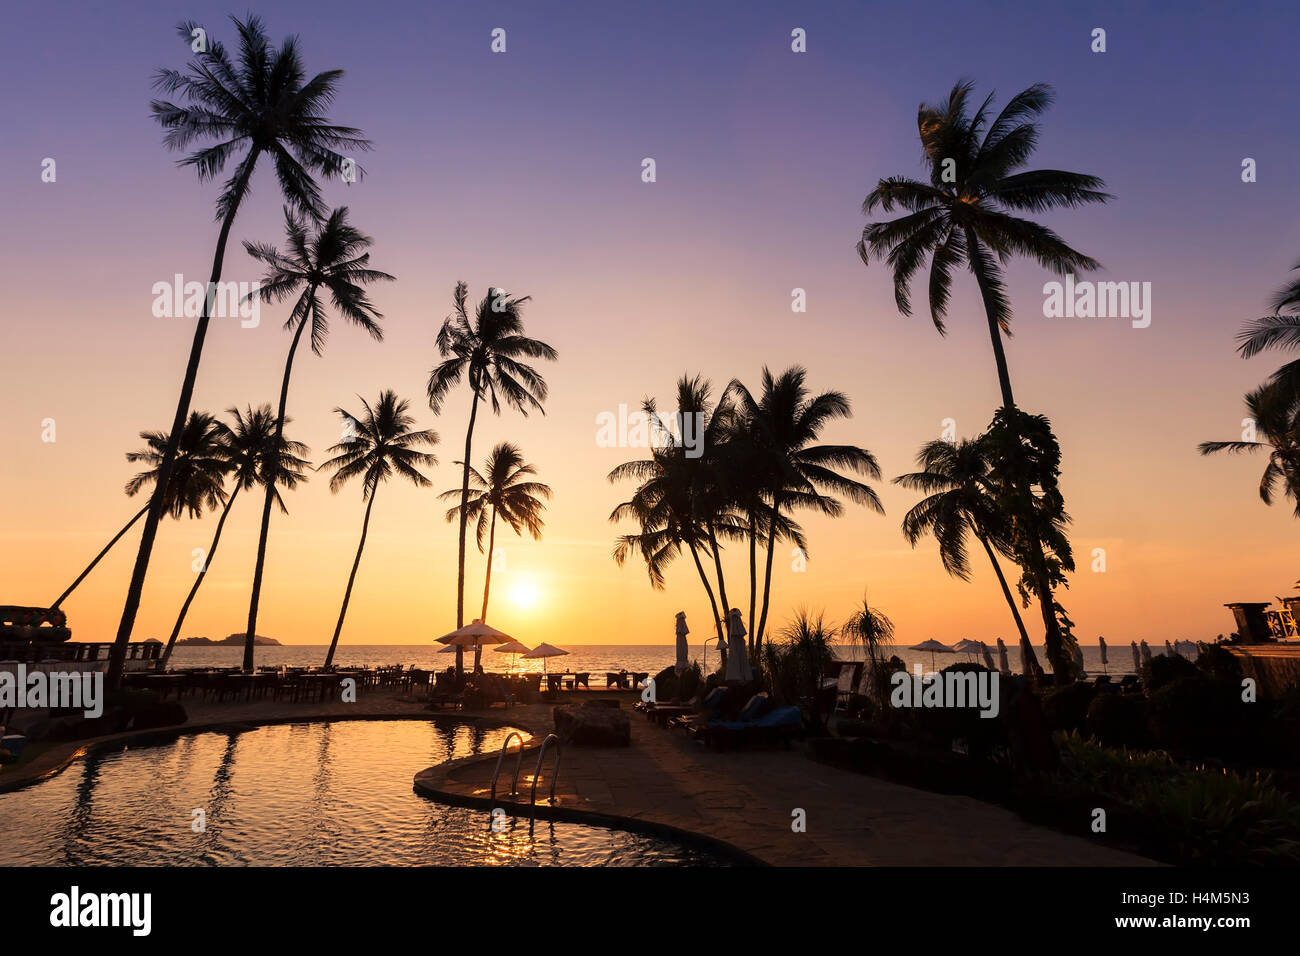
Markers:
1101,643
514,649
683,650
967,647
1137,658
475,635
1078,660
988,658
737,657
934,647
1004,665
544,651
1146,653
449,649
1169,649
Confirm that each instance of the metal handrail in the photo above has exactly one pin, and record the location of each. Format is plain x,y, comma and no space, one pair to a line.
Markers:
537,771
519,759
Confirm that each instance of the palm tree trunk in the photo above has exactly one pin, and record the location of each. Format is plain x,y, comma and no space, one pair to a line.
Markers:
255,600
487,578
90,567
212,550
722,581
135,590
753,584
713,603
995,330
1006,590
767,574
464,506
347,595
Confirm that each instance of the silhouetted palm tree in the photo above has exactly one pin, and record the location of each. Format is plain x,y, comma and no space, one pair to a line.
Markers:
196,479
502,491
869,628
1275,409
1278,331
955,479
334,260
382,446
967,214
486,350
263,105
784,421
246,449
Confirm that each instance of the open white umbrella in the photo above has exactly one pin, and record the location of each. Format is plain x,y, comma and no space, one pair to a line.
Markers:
967,647
934,647
514,649
544,651
475,635
737,657
1004,665
683,650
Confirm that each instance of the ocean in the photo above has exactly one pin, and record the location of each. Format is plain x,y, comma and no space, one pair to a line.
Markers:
595,658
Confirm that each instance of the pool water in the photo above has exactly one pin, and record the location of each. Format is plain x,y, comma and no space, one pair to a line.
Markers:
307,794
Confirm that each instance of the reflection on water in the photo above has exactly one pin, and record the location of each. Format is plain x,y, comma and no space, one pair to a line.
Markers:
296,795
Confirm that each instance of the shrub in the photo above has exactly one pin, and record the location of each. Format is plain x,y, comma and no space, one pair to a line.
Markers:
1118,720
1164,669
1220,664
1066,708
1199,717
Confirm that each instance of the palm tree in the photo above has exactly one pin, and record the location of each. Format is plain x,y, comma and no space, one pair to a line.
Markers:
1275,409
1278,331
966,214
380,444
955,479
262,106
195,483
246,449
487,351
785,422
501,490
869,628
333,260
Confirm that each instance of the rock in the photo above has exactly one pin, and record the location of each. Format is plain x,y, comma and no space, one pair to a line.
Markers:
593,726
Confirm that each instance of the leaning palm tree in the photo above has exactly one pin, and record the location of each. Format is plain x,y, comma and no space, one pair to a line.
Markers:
262,105
380,444
196,481
1275,409
246,449
1281,330
784,422
967,214
959,500
333,260
501,490
487,350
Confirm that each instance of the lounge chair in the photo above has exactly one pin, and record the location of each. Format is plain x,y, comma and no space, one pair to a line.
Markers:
848,680
756,724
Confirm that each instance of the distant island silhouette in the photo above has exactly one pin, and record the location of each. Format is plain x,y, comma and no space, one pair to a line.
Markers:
235,639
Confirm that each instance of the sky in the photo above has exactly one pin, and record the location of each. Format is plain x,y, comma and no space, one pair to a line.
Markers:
523,170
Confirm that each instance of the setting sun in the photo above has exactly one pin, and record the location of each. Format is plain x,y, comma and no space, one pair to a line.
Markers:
525,593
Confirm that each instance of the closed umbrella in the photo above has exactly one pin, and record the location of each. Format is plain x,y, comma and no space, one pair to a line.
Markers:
1169,649
1137,658
1078,660
1101,643
934,647
683,651
1004,665
737,657
1146,653
988,658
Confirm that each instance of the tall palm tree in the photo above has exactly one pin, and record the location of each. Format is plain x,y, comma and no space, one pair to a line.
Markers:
1278,331
261,105
195,482
1275,409
501,490
487,350
959,500
380,445
247,450
333,260
784,421
967,215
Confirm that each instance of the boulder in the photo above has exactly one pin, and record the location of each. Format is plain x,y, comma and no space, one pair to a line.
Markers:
588,725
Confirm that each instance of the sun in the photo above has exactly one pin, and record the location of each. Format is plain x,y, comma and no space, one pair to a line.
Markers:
525,593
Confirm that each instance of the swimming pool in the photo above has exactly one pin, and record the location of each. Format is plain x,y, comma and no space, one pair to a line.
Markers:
303,794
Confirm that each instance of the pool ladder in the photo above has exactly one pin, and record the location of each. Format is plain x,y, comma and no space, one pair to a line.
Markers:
537,771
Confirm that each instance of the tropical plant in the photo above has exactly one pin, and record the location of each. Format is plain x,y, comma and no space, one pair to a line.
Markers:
869,628
1280,330
195,483
262,105
783,423
377,446
246,450
954,476
796,663
333,260
1274,410
501,490
487,351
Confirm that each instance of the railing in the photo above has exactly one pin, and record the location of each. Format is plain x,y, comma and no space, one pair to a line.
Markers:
537,771
514,787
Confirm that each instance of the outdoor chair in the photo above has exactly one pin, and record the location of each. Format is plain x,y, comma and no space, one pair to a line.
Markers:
580,680
553,682
614,679
849,677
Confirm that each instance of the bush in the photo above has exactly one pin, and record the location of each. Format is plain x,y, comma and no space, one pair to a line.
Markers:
1066,708
1219,663
1163,670
1118,720
1199,717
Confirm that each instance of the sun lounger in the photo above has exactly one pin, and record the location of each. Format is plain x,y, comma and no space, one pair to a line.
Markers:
779,724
